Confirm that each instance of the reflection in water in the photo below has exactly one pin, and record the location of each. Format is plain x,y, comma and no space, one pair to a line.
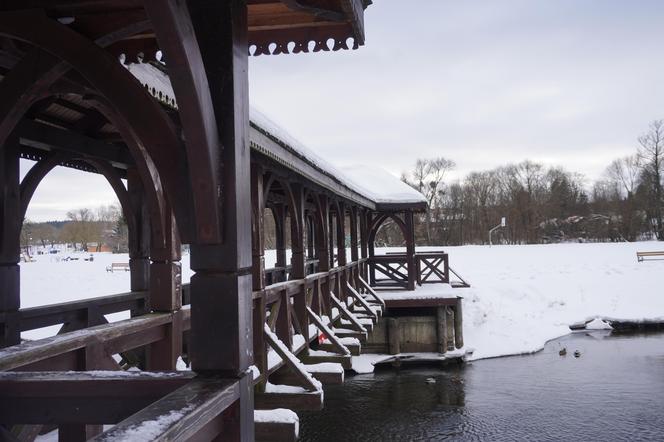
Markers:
613,391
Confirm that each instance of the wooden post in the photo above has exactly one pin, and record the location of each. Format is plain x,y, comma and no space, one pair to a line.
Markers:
458,324
311,236
364,247
165,269
10,231
139,244
221,322
449,343
322,239
393,335
257,227
353,234
297,232
280,234
410,249
298,258
341,233
441,329
166,296
330,231
371,250
260,349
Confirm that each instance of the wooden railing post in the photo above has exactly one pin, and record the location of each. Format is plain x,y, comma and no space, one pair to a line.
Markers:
283,325
410,249
257,227
446,270
260,349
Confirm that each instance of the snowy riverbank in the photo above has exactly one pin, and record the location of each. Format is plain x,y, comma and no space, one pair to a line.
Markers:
521,296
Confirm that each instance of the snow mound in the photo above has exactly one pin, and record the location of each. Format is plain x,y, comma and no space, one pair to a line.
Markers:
598,324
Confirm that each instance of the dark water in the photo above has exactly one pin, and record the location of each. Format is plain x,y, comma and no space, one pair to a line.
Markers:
614,391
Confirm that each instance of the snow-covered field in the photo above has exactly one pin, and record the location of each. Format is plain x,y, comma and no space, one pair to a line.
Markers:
521,296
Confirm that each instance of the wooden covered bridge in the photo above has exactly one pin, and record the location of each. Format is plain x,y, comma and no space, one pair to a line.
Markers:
153,96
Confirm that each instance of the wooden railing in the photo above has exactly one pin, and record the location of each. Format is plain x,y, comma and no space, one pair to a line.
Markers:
288,317
391,270
432,267
280,274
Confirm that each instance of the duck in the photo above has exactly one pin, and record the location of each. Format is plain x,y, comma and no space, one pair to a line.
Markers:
577,353
430,380
563,351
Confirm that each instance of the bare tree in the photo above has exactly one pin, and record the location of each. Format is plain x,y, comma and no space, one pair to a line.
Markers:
428,177
625,172
81,228
651,154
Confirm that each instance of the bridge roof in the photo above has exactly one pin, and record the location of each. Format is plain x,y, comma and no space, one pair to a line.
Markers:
274,26
369,186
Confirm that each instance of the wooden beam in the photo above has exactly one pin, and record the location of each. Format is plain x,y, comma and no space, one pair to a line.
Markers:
304,380
300,401
81,397
46,137
118,336
193,411
276,431
329,334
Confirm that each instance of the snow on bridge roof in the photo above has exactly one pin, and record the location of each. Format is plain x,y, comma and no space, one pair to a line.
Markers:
375,184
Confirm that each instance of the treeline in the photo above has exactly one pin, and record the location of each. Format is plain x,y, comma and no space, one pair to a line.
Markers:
542,204
85,229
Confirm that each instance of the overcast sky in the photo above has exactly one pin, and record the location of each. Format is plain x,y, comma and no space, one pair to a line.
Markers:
564,82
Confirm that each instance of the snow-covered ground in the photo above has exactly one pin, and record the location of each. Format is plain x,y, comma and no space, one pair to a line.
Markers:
521,296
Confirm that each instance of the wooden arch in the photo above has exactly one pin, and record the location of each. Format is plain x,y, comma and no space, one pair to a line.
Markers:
41,169
379,220
152,127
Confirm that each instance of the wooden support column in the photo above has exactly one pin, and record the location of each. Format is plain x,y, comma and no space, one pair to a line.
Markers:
354,256
341,233
258,269
257,227
449,312
166,296
323,237
458,324
330,231
221,307
279,214
139,241
441,329
364,246
298,270
311,238
10,231
297,232
393,336
410,249
371,250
